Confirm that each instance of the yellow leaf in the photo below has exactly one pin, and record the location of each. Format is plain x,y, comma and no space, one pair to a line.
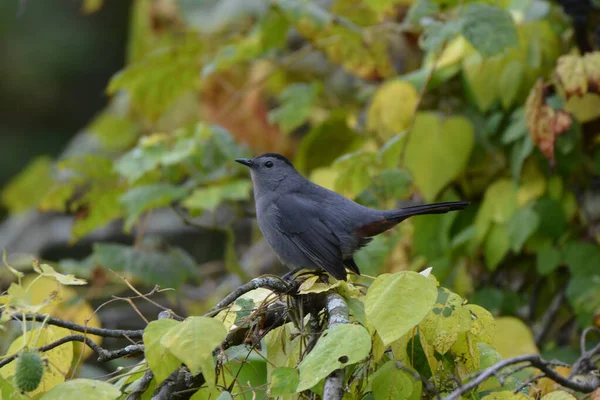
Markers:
392,108
585,108
559,395
484,325
570,72
59,359
533,183
481,76
64,303
91,6
48,271
592,69
29,186
547,385
438,151
513,338
505,395
325,177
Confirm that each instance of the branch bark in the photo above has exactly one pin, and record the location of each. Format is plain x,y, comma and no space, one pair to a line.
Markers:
338,314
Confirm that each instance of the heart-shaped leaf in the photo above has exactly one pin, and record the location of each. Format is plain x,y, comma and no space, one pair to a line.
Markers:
438,151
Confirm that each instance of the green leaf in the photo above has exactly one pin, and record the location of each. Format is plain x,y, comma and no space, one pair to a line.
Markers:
582,258
499,204
354,172
518,153
48,271
449,142
397,303
115,133
582,293
392,184
326,142
480,76
170,268
284,381
489,29
497,244
208,198
523,223
297,102
548,259
104,207
160,360
552,217
143,198
88,389
339,346
509,82
157,81
26,189
194,340
391,383
437,33
142,159
244,50
558,395
422,9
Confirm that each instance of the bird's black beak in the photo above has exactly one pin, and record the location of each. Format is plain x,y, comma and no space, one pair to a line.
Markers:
245,161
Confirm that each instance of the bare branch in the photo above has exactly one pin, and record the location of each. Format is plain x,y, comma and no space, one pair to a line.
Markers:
103,354
533,360
276,284
113,333
142,386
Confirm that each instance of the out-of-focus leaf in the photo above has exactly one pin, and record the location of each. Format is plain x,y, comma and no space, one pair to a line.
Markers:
91,6
391,317
548,259
584,108
326,142
582,258
513,338
338,346
499,204
104,206
26,189
227,56
438,151
517,127
532,185
510,82
552,218
392,108
296,103
437,33
143,198
155,82
480,77
544,123
421,9
570,72
354,172
208,198
114,132
523,223
582,293
170,267
392,184
497,243
489,29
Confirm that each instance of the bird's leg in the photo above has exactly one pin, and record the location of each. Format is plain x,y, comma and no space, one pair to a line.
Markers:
290,275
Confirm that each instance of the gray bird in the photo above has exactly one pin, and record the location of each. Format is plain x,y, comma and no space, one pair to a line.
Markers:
311,227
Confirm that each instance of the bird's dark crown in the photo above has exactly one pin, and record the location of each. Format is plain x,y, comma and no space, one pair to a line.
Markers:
277,156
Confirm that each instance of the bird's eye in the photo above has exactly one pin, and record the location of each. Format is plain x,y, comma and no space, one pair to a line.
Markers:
269,164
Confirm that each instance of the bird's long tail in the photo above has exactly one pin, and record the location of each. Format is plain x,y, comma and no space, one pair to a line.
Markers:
437,208
391,218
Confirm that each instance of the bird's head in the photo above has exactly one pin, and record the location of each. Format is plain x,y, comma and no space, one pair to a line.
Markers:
268,171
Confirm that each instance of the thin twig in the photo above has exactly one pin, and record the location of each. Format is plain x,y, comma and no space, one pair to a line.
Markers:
103,354
113,333
549,317
533,360
142,386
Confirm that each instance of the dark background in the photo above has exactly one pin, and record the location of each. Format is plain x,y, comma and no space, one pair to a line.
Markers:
55,63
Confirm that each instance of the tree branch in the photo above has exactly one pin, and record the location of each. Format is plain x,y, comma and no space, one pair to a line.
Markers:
276,284
103,354
113,333
338,314
536,361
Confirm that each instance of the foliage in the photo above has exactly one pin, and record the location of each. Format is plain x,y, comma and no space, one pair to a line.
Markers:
385,102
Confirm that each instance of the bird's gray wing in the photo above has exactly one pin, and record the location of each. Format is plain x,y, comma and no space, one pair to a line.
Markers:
301,223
